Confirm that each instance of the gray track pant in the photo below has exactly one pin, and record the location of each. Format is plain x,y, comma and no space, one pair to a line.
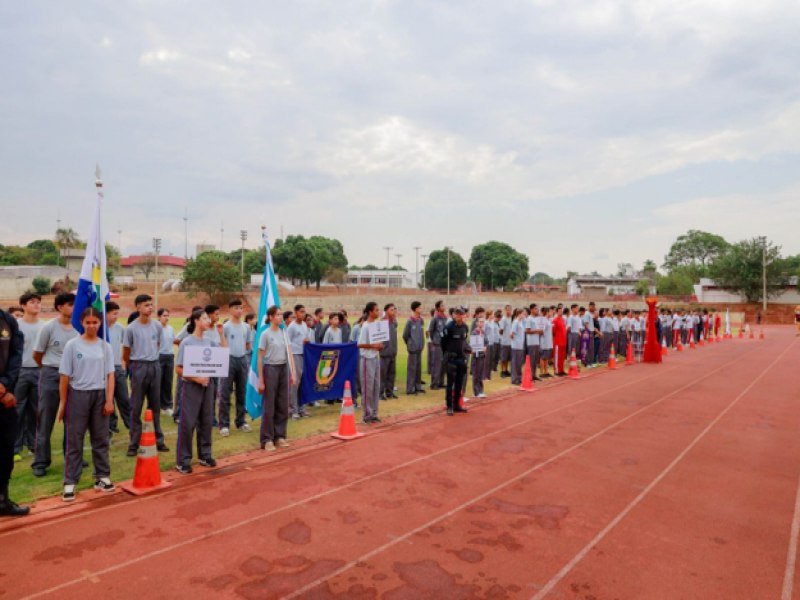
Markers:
46,416
27,394
84,411
370,373
436,365
275,403
238,369
388,374
197,412
534,353
479,362
121,398
145,381
294,396
414,373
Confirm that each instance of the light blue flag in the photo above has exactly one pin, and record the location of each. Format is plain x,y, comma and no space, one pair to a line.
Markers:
93,284
269,297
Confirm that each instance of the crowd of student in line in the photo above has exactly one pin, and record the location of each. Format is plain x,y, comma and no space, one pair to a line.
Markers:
81,381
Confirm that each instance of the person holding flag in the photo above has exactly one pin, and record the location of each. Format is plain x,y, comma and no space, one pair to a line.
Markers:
276,376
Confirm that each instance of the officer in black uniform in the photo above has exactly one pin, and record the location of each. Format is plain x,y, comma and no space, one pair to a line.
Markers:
455,347
11,345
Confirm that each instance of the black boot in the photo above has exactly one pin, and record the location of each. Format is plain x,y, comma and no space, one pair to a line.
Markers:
9,508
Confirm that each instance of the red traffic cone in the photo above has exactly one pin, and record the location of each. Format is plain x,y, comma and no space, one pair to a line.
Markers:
612,358
692,345
527,376
629,360
347,417
147,477
752,333
461,400
719,337
761,335
701,341
679,346
741,331
573,366
711,338
664,350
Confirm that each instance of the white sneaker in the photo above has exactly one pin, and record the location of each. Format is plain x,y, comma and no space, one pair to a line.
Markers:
169,412
481,395
224,432
245,428
69,493
317,404
466,399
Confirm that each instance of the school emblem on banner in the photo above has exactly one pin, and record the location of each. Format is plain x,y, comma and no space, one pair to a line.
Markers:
326,369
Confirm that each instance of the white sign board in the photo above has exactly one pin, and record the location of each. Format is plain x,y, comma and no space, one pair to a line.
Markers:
205,361
378,331
476,343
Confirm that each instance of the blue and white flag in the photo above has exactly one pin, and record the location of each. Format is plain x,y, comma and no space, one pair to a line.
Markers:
93,283
269,297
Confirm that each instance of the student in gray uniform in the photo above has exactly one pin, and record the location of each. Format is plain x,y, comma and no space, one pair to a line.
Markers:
140,350
479,359
276,375
354,334
213,334
369,367
533,333
506,320
116,333
182,335
389,354
435,331
334,334
344,324
414,337
250,321
574,329
166,360
517,337
47,352
27,389
86,400
319,314
297,334
492,342
237,334
197,398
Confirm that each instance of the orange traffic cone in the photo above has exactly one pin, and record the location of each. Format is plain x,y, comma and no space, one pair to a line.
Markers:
612,358
629,353
719,337
147,477
701,341
741,331
573,366
752,333
761,335
664,350
527,376
711,338
347,417
692,345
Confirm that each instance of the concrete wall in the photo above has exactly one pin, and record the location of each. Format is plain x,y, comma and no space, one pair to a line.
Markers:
15,281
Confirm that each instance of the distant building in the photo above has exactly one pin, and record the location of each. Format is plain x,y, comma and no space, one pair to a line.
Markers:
200,248
396,279
142,267
72,259
708,291
593,285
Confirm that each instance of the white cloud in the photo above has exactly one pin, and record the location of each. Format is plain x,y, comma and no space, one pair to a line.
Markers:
239,55
161,55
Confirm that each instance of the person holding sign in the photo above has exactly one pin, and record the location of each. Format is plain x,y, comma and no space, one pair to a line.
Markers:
86,400
197,395
370,343
274,380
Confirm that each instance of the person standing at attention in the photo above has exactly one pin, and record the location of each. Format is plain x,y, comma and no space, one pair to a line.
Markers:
26,390
389,354
166,360
414,337
237,334
11,348
140,350
370,365
116,333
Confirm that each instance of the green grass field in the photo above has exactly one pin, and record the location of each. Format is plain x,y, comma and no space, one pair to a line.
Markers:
26,488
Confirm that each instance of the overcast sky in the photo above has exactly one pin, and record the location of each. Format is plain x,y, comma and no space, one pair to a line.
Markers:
582,133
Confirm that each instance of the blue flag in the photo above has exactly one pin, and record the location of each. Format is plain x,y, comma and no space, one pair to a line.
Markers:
93,284
269,297
327,367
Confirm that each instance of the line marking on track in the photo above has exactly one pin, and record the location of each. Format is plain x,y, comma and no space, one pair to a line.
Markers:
498,487
305,501
791,553
556,579
384,431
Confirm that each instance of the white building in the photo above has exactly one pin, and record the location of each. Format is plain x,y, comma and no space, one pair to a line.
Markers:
611,286
396,279
708,291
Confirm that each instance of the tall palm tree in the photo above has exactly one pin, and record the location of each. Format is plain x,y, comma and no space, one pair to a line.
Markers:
67,238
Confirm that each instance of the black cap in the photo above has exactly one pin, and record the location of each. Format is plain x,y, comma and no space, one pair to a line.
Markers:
459,310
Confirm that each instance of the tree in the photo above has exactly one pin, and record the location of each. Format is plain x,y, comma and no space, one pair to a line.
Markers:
41,285
642,287
308,260
739,269
147,264
540,278
676,283
44,252
436,270
212,274
496,264
254,261
697,250
67,237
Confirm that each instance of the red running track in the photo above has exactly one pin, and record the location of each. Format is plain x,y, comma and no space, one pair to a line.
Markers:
670,481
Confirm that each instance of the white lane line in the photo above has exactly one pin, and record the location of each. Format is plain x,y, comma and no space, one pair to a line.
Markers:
498,487
791,553
556,579
304,501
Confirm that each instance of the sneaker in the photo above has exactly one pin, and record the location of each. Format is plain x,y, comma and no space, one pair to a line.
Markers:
69,493
376,420
449,412
481,395
460,409
17,457
245,428
169,411
114,429
39,472
282,443
104,485
295,415
317,404
130,452
162,447
185,469
224,432
466,399
304,413
268,446
208,462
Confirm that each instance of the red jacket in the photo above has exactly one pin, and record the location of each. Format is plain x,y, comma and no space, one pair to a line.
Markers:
559,331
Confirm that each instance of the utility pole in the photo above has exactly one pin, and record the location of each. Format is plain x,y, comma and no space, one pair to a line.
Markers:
388,249
764,275
243,236
416,266
186,234
58,226
399,256
156,250
424,262
119,238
